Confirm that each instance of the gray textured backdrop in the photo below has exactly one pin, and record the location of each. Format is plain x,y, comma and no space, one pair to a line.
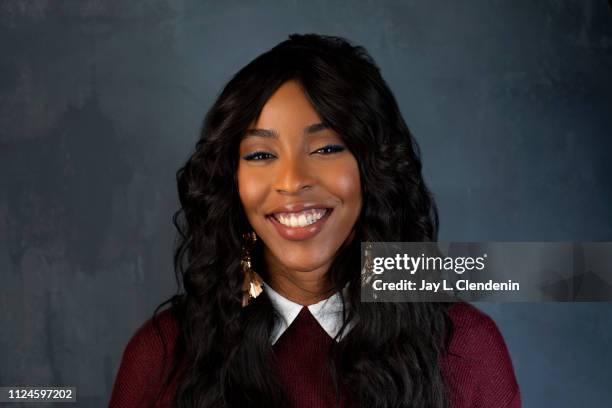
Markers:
101,101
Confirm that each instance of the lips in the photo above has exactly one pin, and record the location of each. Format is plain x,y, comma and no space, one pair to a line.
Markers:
298,207
298,233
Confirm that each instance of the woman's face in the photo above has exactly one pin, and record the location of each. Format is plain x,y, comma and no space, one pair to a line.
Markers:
298,183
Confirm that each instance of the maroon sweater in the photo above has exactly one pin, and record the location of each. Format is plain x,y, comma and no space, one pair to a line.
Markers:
478,370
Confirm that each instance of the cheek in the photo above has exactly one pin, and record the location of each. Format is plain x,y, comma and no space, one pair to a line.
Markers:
345,182
251,190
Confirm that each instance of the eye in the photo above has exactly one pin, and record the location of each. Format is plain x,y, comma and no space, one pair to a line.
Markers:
331,149
257,156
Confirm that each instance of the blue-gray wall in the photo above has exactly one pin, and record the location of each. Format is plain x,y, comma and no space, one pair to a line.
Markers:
101,101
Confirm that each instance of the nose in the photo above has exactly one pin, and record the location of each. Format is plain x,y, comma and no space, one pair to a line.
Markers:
293,176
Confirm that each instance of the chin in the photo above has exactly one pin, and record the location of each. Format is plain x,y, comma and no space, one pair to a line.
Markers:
303,264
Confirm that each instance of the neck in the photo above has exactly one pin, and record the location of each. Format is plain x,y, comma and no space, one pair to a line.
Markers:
302,287
303,291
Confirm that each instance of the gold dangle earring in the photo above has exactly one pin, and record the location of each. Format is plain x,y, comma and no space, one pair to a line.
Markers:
367,272
253,284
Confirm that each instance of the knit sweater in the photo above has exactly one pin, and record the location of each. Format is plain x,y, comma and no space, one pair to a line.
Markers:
477,370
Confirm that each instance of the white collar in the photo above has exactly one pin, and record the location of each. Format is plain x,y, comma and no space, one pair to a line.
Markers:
328,312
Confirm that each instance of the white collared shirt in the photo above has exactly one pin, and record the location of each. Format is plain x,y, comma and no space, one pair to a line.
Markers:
328,312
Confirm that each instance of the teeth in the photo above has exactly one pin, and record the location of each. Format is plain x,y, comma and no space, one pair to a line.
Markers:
300,219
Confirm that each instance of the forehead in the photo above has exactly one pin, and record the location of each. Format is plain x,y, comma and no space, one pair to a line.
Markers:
287,107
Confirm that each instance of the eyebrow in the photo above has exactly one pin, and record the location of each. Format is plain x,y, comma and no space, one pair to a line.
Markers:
317,127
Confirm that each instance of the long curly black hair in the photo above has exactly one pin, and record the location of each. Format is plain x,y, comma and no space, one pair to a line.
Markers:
390,357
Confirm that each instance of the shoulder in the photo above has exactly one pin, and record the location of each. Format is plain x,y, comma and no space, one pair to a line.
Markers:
474,331
154,337
145,360
478,363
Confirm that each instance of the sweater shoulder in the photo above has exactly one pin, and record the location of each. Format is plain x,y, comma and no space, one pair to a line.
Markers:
475,334
146,360
478,361
155,335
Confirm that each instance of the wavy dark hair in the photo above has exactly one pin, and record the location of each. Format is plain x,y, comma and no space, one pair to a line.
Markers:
390,357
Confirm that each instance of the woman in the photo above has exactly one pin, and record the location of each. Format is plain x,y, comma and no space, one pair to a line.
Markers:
303,156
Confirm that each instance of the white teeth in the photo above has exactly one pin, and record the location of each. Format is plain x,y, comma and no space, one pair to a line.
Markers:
300,219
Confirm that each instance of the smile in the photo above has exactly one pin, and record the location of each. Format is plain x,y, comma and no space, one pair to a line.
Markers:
302,218
301,225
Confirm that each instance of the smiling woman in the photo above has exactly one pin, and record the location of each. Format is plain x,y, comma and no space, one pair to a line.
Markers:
300,189
303,156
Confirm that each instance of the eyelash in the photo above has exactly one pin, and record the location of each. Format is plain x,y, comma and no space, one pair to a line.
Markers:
252,156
